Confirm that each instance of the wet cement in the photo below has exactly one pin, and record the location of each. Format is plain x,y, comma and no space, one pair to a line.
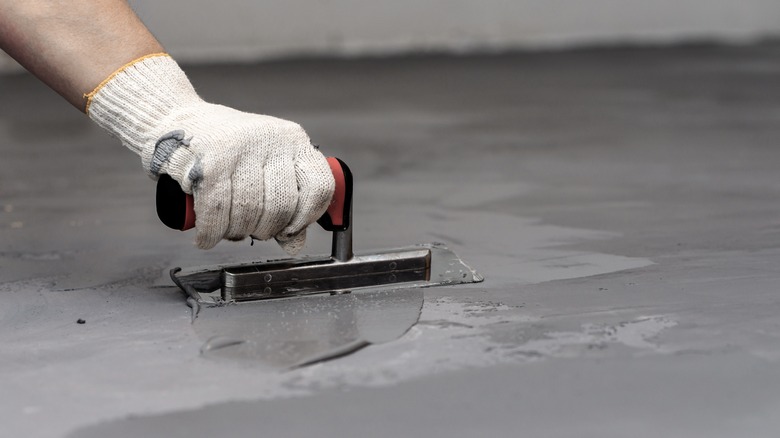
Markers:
622,205
287,333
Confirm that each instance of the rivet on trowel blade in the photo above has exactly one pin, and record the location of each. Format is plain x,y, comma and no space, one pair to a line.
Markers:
268,278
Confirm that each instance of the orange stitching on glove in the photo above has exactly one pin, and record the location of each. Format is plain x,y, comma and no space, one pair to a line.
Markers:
92,93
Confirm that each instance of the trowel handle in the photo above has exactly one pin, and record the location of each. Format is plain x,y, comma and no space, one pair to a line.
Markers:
338,217
176,209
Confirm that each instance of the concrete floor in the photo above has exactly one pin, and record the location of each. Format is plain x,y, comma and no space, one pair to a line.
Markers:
624,206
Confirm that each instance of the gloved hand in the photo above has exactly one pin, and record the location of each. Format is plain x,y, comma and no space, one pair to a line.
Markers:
249,174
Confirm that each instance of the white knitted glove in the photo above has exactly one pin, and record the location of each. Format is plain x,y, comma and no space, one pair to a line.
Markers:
249,174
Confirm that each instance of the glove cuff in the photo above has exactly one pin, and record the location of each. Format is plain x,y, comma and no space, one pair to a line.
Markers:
136,101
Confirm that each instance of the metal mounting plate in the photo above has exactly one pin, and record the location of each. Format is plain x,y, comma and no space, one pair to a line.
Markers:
417,266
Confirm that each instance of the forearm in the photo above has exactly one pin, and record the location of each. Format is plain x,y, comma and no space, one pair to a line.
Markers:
74,45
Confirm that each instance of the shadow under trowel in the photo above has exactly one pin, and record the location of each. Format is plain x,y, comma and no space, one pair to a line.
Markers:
293,332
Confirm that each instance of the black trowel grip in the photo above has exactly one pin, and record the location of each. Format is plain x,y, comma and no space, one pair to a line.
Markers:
176,209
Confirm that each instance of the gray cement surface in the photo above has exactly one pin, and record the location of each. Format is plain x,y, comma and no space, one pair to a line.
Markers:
622,204
289,333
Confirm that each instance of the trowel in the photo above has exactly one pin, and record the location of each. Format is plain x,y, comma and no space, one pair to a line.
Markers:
341,272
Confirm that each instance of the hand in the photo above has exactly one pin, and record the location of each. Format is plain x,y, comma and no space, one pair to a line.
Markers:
250,175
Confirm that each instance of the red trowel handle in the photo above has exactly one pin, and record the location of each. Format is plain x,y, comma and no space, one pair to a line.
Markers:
176,209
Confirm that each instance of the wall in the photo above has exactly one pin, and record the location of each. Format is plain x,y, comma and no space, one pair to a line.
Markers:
201,30
241,29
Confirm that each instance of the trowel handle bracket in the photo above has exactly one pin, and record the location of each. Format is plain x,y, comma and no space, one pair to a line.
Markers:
176,209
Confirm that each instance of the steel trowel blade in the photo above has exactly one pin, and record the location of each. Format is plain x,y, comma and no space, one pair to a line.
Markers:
416,266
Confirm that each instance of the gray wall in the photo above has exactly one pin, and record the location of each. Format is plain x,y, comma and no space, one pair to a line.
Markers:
201,30
241,29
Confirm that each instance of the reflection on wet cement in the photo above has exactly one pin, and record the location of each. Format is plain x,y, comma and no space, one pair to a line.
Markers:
298,331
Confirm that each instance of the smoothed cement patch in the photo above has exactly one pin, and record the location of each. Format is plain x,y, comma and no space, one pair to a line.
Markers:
296,331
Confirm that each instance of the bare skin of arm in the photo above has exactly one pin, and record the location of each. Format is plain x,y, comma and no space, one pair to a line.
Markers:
72,46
